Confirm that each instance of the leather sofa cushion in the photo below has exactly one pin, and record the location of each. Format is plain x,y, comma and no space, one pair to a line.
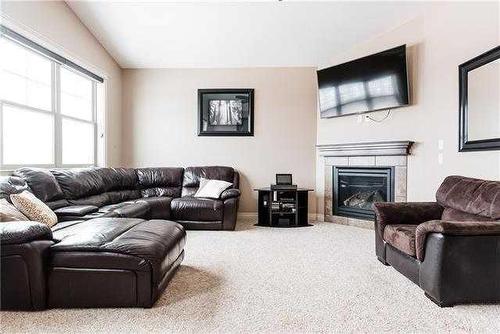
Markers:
192,176
96,200
473,196
159,207
54,205
76,210
78,183
401,237
123,195
88,216
86,182
201,209
158,182
41,182
133,210
106,198
120,178
11,185
158,242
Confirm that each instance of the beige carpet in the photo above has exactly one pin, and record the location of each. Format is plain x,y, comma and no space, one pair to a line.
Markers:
316,279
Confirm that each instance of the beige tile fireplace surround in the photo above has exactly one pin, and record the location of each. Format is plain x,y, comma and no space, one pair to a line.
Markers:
367,154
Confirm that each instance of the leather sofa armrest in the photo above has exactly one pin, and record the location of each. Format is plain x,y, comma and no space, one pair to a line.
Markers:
230,193
24,253
389,213
19,232
76,210
463,228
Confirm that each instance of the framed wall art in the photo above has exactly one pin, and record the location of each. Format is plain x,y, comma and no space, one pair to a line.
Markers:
225,112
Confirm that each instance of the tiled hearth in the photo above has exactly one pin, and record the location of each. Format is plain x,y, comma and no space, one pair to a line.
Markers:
372,154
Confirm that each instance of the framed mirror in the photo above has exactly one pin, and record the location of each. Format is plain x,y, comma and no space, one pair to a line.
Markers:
479,102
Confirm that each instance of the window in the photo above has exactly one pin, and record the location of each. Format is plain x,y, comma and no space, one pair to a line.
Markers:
48,109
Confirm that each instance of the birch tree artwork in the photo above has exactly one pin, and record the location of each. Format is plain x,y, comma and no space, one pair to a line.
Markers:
225,112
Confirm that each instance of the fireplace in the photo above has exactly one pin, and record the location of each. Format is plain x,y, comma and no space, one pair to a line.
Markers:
355,189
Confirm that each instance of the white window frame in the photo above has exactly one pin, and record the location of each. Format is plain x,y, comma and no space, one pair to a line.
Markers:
57,114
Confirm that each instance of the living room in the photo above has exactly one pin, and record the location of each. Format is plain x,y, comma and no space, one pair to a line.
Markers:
197,166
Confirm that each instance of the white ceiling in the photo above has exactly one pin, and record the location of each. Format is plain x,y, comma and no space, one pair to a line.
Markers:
236,34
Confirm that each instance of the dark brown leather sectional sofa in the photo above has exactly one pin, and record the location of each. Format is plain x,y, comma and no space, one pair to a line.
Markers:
150,193
119,239
451,247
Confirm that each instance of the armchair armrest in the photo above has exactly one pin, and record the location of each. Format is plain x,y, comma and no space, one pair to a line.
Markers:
404,213
230,193
463,228
19,232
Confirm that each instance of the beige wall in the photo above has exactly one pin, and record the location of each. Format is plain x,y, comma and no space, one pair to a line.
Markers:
55,26
447,35
160,124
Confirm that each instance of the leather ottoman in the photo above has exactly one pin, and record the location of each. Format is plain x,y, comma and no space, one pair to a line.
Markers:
113,262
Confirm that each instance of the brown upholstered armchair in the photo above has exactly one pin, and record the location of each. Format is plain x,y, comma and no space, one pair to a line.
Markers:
451,247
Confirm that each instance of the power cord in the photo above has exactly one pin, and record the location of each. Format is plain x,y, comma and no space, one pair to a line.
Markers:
380,120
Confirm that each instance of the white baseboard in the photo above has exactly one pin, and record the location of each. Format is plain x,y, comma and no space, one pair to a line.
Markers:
247,214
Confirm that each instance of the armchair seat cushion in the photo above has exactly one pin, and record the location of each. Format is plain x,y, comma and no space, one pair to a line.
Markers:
401,237
197,209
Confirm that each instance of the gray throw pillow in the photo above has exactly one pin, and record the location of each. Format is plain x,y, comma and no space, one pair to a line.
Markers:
8,212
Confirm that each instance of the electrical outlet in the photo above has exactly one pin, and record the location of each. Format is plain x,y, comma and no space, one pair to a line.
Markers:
440,144
440,158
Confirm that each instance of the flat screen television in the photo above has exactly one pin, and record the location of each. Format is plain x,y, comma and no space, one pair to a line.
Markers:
371,83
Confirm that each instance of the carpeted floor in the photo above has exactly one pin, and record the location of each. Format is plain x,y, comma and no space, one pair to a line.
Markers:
323,278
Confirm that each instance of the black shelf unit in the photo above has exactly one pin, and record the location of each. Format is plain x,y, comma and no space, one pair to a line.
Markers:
282,208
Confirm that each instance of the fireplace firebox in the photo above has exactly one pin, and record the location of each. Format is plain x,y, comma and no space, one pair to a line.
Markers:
355,189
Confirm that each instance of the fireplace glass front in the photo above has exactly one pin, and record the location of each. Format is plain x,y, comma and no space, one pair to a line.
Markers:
355,189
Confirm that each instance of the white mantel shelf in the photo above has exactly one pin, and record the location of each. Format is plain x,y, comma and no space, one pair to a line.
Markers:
380,148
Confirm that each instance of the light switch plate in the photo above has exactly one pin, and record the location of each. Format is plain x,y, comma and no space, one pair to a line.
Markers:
440,158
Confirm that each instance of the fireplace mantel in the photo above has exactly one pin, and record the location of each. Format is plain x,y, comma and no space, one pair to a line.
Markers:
381,148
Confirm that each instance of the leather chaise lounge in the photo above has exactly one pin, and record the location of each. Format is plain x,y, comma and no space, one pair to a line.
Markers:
119,239
451,247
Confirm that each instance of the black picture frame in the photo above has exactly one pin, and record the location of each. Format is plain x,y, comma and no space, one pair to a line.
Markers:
464,144
245,128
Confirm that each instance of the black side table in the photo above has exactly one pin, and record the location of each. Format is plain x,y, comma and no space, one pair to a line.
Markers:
283,208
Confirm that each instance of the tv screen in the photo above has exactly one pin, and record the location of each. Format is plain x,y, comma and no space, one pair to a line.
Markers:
367,84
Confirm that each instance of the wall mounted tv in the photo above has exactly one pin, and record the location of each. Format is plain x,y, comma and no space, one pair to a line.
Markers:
371,83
